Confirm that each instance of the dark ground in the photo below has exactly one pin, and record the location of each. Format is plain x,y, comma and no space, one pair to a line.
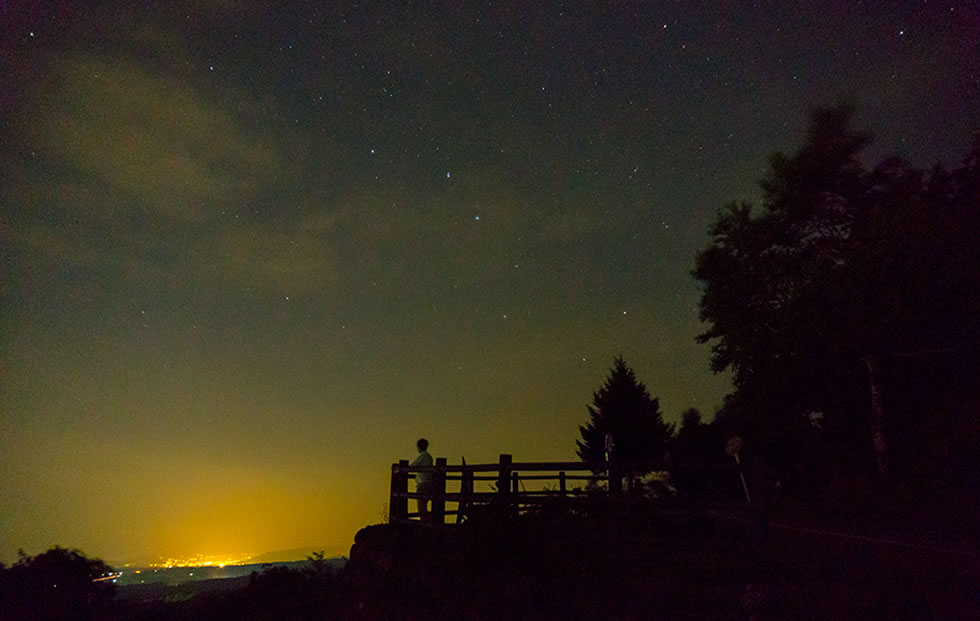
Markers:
643,563
680,566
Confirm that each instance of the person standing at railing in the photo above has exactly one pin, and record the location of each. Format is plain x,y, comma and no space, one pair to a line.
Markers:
424,479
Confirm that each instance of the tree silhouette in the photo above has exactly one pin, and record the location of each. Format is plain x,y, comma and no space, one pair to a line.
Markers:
624,409
57,584
842,273
696,443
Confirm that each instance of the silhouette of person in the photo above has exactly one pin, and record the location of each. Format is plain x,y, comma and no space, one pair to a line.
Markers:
424,479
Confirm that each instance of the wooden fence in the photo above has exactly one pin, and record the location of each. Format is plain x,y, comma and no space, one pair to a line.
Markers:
517,487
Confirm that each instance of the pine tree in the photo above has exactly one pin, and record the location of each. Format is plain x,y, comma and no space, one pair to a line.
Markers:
623,408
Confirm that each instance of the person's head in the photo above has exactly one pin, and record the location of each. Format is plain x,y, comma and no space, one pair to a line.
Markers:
423,444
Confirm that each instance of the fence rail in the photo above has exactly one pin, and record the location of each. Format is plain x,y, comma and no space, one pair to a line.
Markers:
510,488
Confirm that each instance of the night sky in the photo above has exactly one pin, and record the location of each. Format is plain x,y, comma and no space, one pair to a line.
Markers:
249,255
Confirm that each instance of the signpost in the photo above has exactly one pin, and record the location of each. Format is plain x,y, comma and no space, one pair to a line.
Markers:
733,447
613,473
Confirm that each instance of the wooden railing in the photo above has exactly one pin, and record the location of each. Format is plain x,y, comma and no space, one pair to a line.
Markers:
515,487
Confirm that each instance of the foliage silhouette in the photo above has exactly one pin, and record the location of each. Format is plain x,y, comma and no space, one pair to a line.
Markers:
623,408
697,443
56,584
844,281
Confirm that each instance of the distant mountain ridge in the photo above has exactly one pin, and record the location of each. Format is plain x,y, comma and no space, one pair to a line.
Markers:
296,554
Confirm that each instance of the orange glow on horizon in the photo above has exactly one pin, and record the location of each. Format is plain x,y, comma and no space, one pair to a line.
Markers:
203,560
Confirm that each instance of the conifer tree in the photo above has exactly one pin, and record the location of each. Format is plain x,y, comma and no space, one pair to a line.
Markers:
624,409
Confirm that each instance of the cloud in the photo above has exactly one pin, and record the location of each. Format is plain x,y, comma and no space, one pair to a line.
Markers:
150,137
134,169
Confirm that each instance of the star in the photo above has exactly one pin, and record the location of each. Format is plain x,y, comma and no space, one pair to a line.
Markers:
270,193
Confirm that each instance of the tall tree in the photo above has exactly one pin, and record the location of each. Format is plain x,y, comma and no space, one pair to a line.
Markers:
624,409
842,271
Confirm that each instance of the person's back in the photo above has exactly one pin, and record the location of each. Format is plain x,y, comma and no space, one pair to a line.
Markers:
424,459
424,478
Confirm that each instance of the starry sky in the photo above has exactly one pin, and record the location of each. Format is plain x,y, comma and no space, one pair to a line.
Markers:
249,254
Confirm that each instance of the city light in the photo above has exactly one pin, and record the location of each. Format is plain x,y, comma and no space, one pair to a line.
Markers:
203,560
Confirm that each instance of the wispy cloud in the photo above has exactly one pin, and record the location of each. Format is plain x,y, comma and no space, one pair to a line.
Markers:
136,169
150,137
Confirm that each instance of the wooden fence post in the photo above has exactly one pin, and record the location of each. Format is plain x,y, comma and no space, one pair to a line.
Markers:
439,482
503,479
397,504
466,490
